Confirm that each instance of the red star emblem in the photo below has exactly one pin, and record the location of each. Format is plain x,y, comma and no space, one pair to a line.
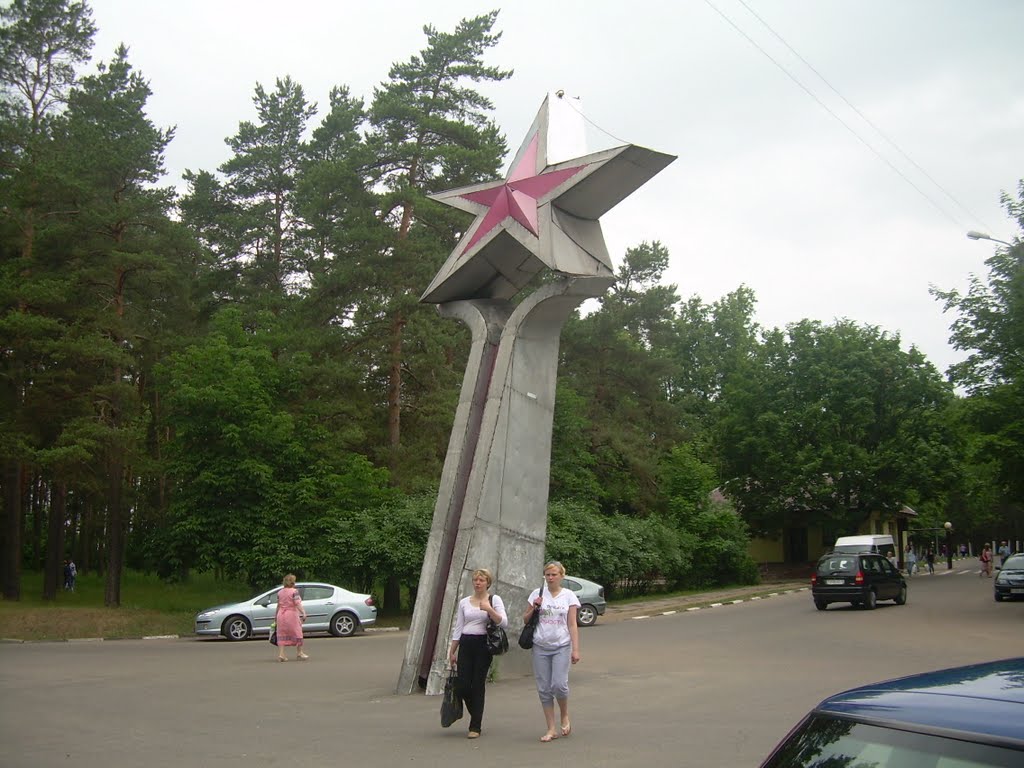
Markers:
516,197
543,216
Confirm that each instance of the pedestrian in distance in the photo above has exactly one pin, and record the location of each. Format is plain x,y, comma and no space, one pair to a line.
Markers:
468,652
73,574
290,615
1004,552
556,645
891,557
911,559
986,562
930,558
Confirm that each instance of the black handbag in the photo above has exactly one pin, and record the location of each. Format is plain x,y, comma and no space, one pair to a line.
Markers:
497,640
451,701
273,636
526,636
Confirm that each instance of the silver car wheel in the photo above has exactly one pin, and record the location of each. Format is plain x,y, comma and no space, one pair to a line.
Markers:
586,615
344,624
237,628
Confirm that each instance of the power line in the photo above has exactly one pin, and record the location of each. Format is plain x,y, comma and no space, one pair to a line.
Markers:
580,112
864,117
842,122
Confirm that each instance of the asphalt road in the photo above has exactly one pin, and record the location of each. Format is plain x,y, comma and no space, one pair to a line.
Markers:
714,687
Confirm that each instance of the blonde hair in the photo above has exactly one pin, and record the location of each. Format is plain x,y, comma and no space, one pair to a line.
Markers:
485,573
289,580
555,564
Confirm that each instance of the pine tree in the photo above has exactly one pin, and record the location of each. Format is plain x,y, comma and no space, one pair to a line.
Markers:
124,255
430,130
41,42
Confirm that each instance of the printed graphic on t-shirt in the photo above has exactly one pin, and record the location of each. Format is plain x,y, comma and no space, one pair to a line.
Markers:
552,625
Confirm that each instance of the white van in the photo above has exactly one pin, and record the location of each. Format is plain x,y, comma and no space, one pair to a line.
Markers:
878,544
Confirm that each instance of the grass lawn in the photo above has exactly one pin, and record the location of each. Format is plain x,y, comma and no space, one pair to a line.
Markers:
148,607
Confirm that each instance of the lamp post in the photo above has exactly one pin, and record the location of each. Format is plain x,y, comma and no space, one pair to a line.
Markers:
974,235
949,545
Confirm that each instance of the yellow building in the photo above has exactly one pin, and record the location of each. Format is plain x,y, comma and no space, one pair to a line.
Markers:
800,547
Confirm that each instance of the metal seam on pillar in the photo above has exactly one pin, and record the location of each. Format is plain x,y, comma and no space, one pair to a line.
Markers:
483,386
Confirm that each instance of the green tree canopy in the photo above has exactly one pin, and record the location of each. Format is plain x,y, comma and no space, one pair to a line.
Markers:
830,423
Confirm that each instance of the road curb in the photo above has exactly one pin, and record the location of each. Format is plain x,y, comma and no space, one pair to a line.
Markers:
717,603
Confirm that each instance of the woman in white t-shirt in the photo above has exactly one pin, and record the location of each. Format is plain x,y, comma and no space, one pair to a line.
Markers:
468,651
556,645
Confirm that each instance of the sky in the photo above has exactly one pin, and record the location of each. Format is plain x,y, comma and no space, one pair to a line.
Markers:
831,155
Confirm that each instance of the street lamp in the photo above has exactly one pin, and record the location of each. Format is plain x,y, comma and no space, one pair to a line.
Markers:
949,545
974,235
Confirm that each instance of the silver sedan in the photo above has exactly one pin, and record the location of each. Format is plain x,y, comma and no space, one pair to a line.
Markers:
328,609
591,597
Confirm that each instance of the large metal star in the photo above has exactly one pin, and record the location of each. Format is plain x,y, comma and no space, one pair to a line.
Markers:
539,217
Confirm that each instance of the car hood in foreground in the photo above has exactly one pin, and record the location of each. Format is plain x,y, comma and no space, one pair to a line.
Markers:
992,697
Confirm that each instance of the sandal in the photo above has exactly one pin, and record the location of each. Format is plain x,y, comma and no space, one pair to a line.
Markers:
303,656
281,658
548,737
567,729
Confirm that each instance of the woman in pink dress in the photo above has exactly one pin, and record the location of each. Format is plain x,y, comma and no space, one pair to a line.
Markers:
290,615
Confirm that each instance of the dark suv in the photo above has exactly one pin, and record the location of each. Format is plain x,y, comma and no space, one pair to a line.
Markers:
860,579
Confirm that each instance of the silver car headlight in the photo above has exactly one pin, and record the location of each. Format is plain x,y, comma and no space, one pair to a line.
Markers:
205,614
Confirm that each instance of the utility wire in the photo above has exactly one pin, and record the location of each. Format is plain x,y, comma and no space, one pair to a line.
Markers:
842,122
864,117
569,100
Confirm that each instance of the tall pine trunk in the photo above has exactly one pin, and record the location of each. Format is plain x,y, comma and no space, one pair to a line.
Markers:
12,530
115,535
395,350
395,393
55,541
38,507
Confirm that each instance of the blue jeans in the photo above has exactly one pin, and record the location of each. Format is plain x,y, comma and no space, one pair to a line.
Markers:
551,670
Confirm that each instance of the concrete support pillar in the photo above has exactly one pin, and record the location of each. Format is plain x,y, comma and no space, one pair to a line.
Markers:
491,509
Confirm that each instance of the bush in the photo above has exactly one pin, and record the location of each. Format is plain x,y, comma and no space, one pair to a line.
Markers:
636,555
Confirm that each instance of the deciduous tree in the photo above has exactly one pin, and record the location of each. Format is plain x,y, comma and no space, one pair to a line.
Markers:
831,423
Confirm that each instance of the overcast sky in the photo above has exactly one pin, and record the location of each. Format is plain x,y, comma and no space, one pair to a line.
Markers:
770,190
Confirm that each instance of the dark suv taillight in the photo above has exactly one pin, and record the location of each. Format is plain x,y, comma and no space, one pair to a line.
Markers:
859,579
814,579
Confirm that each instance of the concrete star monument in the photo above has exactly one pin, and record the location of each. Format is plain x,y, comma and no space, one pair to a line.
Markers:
491,509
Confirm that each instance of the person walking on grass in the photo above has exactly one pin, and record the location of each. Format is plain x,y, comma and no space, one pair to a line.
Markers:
556,645
290,615
468,652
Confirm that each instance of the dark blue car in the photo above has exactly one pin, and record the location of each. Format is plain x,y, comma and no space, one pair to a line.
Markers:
965,717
